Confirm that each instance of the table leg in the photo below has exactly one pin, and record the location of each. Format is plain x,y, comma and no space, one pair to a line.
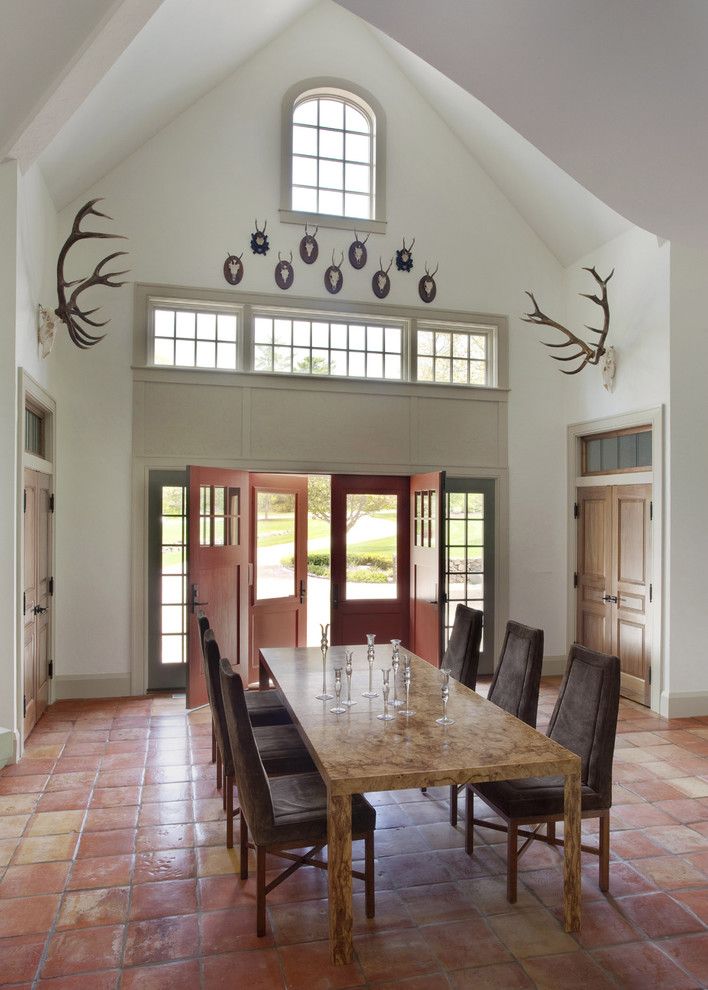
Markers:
339,877
263,677
571,857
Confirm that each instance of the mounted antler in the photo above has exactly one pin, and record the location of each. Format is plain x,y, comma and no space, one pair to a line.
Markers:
588,353
68,310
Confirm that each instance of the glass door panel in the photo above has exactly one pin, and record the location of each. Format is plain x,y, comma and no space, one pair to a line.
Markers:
275,545
167,580
371,551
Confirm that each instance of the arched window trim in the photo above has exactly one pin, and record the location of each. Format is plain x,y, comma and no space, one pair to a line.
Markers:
372,108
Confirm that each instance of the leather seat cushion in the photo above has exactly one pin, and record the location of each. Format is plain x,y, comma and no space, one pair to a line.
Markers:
282,750
534,796
300,810
266,708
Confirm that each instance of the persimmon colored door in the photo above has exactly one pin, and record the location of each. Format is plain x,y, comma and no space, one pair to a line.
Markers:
426,550
370,558
217,567
278,594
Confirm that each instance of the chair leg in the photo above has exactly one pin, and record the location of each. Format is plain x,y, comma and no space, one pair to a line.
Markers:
369,884
243,834
512,863
260,891
229,789
469,815
551,831
605,852
213,744
453,805
218,769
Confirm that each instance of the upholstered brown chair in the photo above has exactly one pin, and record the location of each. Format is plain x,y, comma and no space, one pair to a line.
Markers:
281,748
284,813
517,679
584,720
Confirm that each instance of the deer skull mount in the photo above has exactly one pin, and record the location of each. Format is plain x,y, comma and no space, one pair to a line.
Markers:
357,252
427,288
233,269
68,310
284,272
333,278
404,257
381,282
585,353
259,240
309,248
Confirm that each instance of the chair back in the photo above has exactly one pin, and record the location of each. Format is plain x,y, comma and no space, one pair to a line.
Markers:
517,679
212,664
203,626
584,719
462,654
254,794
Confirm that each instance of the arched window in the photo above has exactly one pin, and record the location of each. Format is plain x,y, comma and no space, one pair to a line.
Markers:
334,151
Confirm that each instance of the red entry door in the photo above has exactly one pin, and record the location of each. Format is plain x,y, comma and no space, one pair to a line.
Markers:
217,567
278,604
427,547
370,559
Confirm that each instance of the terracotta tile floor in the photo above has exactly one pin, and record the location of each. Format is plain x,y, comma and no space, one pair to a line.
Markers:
114,873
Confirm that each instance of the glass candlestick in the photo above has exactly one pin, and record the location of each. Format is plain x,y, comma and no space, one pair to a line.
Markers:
445,693
348,655
370,656
407,711
339,708
385,716
324,643
325,696
395,661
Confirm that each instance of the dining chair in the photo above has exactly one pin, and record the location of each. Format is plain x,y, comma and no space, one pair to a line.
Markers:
584,720
284,813
461,657
516,682
280,746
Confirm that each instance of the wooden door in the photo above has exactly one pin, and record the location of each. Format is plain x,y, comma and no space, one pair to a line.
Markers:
426,556
631,587
36,595
614,580
370,559
278,598
594,568
217,567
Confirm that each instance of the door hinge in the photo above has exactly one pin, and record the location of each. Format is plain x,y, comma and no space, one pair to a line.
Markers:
51,585
24,706
651,510
51,502
24,500
24,602
576,511
50,669
575,579
651,592
649,675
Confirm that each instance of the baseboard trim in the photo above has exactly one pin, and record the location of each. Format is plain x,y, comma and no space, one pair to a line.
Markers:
684,704
70,686
553,666
7,746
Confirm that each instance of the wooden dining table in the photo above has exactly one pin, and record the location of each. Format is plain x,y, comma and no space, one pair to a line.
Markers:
355,752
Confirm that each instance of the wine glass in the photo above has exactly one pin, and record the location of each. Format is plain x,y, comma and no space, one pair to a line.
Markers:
385,716
339,708
445,692
407,710
395,661
370,656
348,656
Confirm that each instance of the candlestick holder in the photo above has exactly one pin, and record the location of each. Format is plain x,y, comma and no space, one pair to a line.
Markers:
370,656
348,656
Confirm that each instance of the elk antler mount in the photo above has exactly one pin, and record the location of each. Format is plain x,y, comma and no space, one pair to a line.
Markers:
587,353
68,310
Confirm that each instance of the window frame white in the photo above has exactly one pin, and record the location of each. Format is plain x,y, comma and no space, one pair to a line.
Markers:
194,306
489,331
339,89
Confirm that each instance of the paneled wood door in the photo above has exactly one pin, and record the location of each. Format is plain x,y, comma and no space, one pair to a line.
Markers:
614,580
370,558
37,595
278,594
217,567
427,550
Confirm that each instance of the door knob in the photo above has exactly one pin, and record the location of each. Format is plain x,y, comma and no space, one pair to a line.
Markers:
610,599
39,610
194,603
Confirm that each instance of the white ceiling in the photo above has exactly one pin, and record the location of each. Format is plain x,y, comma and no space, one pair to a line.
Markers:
613,91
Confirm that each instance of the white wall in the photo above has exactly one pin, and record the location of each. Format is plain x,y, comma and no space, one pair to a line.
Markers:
189,197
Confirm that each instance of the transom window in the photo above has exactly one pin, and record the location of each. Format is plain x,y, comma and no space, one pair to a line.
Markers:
455,354
193,338
323,347
333,155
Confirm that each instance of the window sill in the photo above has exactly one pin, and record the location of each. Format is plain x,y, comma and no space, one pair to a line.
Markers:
334,222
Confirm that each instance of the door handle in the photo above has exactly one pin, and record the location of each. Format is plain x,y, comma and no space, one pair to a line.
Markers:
335,596
303,592
610,599
39,610
194,603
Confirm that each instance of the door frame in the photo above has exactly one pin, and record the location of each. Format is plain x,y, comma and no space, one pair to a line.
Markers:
655,477
29,390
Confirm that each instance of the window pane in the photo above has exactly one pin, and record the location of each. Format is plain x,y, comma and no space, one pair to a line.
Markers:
393,366
282,359
331,144
425,369
357,206
609,454
371,547
393,339
282,331
331,113
320,334
443,370
338,362
331,175
374,338
206,354
164,351
358,148
306,112
330,202
304,199
442,344
460,345
320,363
226,356
644,449
275,545
338,332
593,455
478,347
302,363
355,120
263,358
357,364
358,178
305,171
425,342
460,371
304,141
185,324
628,451
478,373
164,320
206,326
184,353
357,337
374,366
263,330
301,333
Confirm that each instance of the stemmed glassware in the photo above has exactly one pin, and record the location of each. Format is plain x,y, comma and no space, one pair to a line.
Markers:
395,660
386,716
348,655
407,711
370,656
445,692
339,708
324,646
